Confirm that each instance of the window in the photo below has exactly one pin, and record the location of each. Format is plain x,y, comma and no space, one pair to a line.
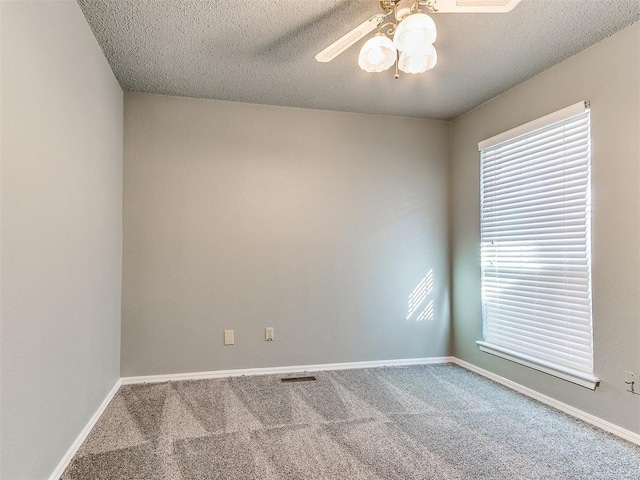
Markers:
535,245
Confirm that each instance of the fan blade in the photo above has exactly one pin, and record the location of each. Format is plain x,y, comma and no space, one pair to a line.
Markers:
339,46
475,6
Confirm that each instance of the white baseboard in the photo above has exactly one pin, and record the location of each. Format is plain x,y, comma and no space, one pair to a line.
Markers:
552,402
282,370
64,463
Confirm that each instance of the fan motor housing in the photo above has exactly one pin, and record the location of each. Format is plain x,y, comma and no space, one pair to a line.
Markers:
388,5
402,7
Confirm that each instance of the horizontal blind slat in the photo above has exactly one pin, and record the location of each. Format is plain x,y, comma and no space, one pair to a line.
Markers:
550,350
545,180
532,134
533,138
576,311
553,279
555,329
548,319
564,156
536,292
564,344
560,194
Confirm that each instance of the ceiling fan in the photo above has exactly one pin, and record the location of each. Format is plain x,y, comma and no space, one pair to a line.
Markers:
406,41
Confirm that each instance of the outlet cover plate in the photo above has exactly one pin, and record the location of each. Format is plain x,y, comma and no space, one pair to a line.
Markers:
269,334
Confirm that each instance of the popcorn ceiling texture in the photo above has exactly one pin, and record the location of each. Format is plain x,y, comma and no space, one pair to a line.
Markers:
421,422
262,51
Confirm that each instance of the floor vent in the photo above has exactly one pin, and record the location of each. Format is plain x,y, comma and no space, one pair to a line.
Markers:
309,378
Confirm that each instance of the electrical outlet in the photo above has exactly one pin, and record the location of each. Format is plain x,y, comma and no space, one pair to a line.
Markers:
268,334
229,337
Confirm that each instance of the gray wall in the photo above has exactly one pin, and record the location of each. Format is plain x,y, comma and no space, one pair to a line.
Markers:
317,223
61,224
607,74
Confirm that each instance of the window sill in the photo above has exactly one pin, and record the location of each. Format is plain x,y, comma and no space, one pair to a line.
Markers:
579,378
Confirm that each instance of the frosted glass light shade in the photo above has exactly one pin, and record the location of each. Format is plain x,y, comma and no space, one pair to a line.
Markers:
414,33
418,62
377,54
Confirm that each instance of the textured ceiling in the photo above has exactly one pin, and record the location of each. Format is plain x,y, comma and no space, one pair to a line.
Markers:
262,51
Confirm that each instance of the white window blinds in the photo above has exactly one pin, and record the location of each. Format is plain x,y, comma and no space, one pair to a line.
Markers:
535,249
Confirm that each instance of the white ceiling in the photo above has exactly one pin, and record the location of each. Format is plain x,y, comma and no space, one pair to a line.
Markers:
262,51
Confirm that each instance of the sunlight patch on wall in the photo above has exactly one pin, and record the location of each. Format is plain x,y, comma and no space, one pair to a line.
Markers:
418,297
427,313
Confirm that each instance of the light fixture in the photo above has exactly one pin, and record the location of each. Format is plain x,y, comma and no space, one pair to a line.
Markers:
418,62
378,54
413,33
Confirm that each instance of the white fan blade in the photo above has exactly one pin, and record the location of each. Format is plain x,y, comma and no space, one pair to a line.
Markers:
475,6
339,46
